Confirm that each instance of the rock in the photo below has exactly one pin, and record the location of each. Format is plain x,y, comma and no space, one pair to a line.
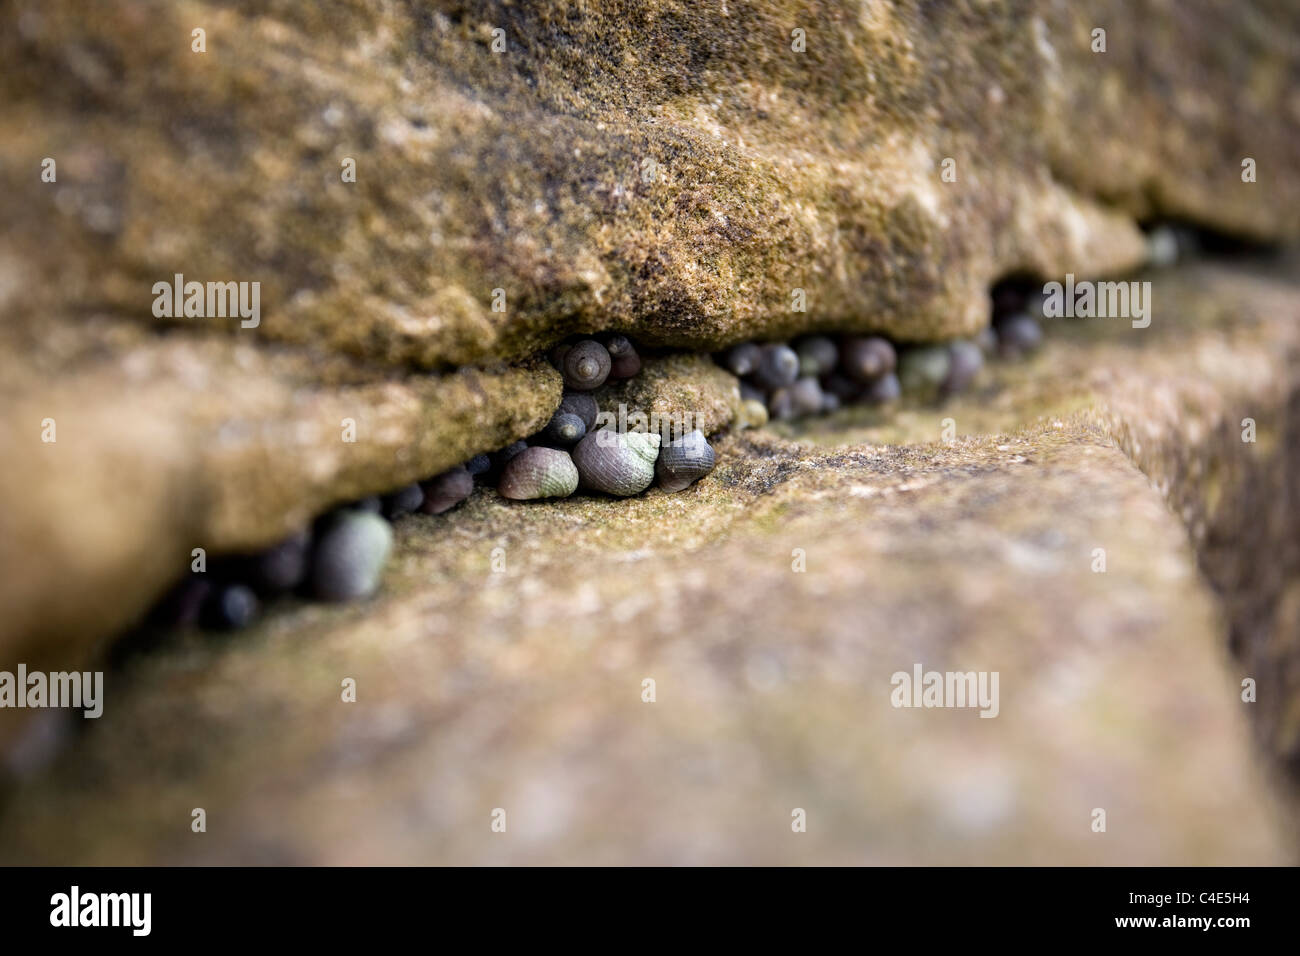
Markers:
675,393
1116,690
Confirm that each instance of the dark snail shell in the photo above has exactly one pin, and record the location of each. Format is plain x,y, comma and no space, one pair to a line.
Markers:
444,492
617,463
778,367
965,362
403,501
817,355
867,358
684,461
625,366
780,405
582,405
586,365
539,472
624,362
742,359
806,396
500,459
884,390
478,465
564,430
1018,335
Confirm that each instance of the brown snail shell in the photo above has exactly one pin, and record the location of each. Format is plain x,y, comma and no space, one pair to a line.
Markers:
617,463
683,461
867,358
444,492
586,366
539,472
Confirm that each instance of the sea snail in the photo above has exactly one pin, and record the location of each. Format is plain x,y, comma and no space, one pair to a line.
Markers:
684,461
617,463
539,472
586,365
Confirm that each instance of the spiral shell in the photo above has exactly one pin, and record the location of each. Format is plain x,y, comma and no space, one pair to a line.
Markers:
539,472
778,367
684,461
564,430
617,463
586,365
582,405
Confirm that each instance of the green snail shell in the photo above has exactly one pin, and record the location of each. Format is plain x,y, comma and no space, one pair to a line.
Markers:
538,472
617,463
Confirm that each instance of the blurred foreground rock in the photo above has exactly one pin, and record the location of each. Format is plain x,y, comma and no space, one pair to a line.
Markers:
523,689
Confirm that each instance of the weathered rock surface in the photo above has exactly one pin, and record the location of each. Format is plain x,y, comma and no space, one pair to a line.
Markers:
176,443
522,689
669,169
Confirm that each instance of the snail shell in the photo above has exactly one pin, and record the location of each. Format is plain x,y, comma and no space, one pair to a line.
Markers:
817,355
753,414
1018,335
499,460
539,472
478,465
965,362
624,361
444,492
884,390
586,365
806,396
617,463
403,501
564,430
866,359
778,367
922,370
582,405
684,461
742,359
349,556
780,405
625,365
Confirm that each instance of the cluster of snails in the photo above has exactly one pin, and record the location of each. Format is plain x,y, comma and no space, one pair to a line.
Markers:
571,452
816,374
342,556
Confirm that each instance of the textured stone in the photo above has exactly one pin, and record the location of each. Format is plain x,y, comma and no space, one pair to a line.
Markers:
522,689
